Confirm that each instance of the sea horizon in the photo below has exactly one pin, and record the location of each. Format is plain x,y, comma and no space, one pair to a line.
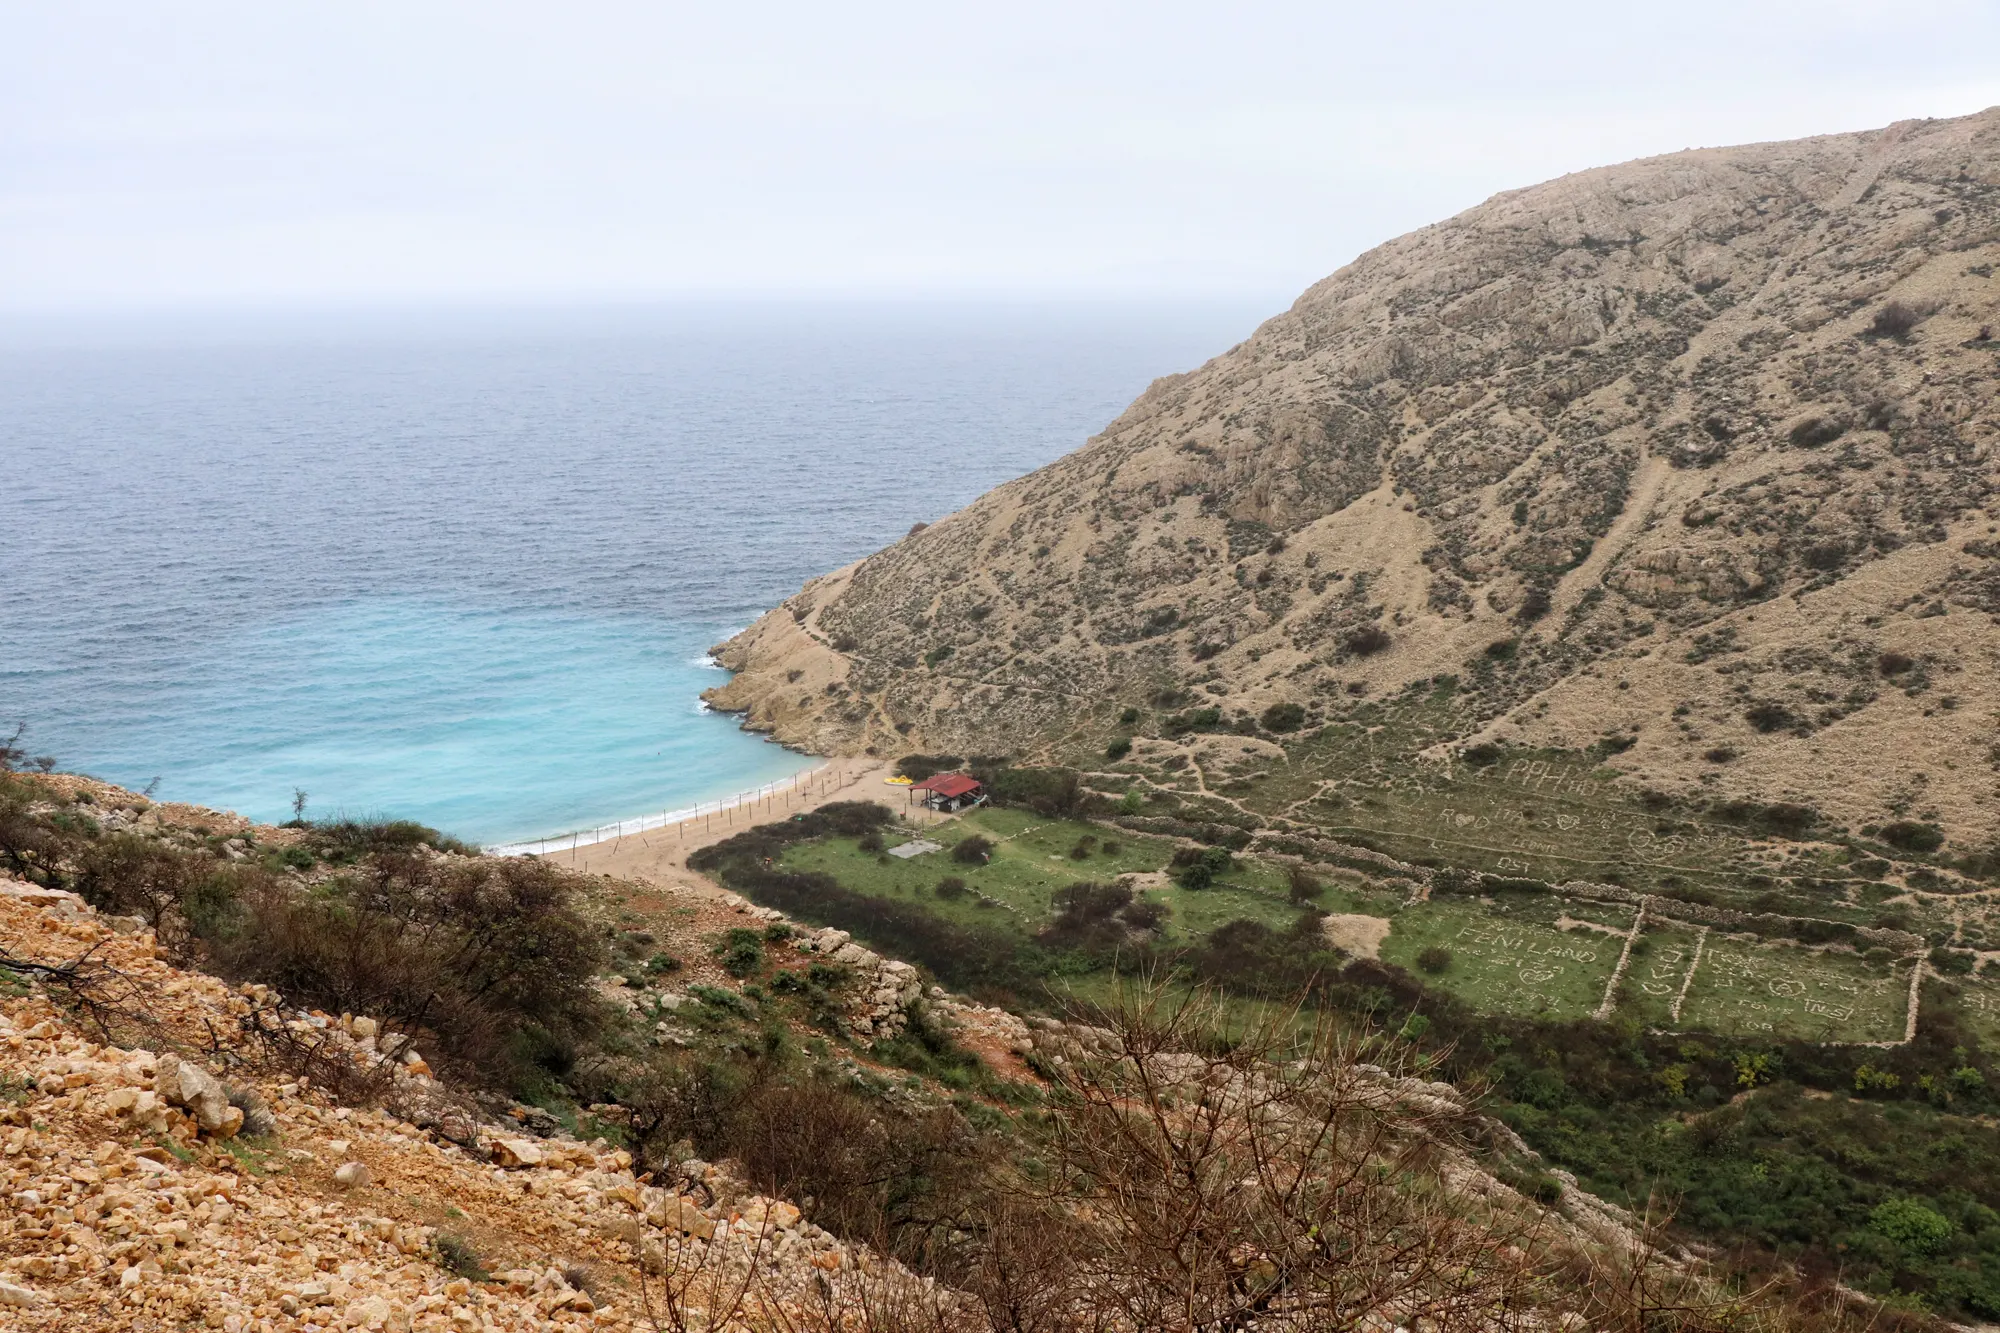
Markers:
423,566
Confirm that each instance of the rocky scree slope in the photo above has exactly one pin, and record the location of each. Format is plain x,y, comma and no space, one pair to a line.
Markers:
1696,452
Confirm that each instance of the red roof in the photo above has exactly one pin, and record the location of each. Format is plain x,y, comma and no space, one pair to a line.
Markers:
947,784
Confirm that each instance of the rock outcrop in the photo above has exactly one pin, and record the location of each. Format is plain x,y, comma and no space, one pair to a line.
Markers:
133,1202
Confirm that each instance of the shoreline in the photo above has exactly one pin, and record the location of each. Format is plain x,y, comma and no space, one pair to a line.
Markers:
659,855
810,780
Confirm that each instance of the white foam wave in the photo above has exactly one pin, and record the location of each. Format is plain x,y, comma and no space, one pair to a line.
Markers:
625,828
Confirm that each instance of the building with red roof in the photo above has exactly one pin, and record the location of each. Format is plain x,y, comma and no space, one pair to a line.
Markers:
950,791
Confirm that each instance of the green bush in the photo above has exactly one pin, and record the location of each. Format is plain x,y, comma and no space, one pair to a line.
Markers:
1198,719
767,842
1118,749
490,955
1909,835
917,767
1366,641
1198,868
975,850
456,1255
345,841
1283,717
1910,1224
1434,959
741,952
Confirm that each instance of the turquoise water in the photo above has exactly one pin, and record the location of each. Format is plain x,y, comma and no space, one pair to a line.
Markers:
488,723
466,570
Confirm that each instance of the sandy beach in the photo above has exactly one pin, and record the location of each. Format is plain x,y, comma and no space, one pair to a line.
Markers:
659,856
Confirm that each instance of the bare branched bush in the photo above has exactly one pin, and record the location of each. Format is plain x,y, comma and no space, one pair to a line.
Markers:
1281,1181
691,1285
1893,319
871,1298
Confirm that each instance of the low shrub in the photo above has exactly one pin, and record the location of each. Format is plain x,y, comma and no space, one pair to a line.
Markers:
1090,916
1769,716
1434,959
1197,719
917,767
457,1256
1366,641
489,956
741,952
1816,431
1198,868
1909,835
974,850
1055,793
1893,319
344,841
1283,717
851,819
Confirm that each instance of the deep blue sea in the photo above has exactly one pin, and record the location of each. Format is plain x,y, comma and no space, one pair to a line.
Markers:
465,567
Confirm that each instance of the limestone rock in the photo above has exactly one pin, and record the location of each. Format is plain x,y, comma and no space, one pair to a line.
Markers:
19,1297
185,1084
677,1214
517,1153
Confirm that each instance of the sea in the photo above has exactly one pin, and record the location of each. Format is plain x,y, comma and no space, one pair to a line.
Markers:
466,566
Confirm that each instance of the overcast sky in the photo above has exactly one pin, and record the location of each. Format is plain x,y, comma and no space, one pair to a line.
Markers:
277,153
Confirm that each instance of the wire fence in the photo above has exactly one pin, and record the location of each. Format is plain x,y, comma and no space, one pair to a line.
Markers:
701,817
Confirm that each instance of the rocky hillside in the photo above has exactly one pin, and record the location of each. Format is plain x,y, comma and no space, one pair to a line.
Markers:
178,1151
1694,453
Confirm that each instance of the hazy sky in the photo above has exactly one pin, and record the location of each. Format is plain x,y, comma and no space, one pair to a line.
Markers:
221,153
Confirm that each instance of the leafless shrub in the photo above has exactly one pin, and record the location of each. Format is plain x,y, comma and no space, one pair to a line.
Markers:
1366,641
316,1055
871,1298
1893,319
94,990
690,1285
1272,1183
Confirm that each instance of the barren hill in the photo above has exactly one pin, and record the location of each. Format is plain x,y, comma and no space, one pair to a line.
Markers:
1693,453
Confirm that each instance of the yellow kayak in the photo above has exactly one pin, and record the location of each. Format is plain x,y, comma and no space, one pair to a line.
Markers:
898,781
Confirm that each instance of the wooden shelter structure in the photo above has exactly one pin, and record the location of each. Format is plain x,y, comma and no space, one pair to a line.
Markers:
949,792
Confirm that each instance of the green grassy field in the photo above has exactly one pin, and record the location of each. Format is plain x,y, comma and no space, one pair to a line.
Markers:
1031,860
1978,1005
1522,954
1746,987
1529,955
1661,957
